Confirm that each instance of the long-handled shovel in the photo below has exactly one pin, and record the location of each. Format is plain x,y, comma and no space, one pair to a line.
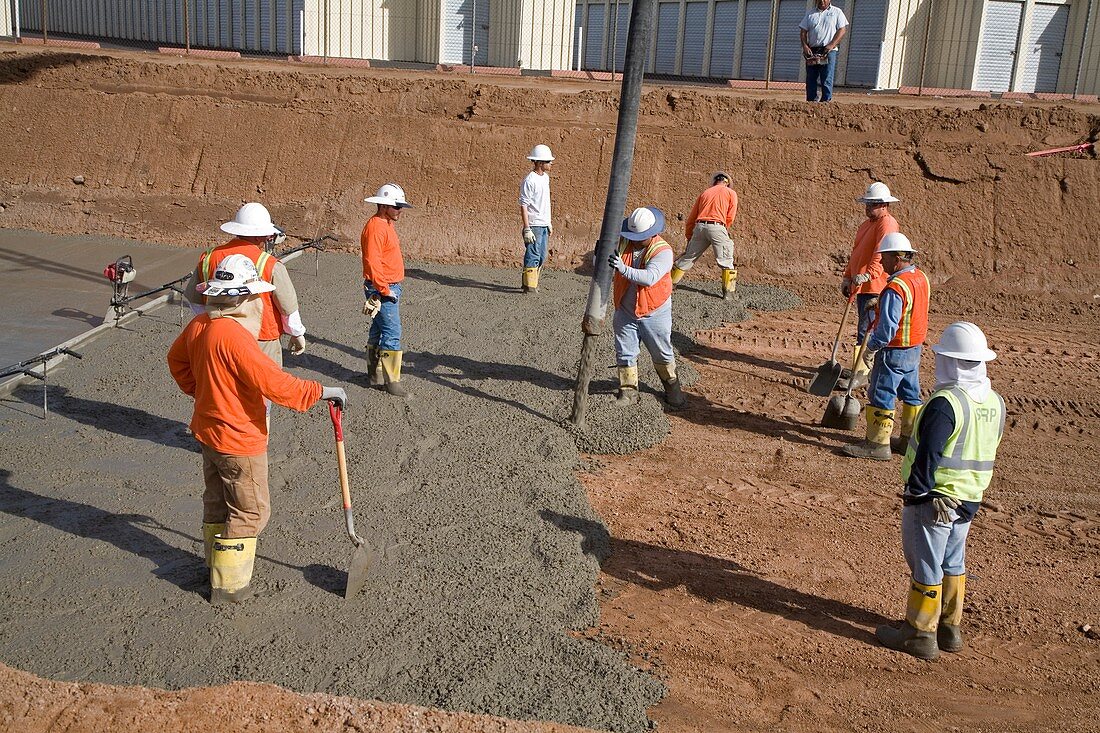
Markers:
364,556
842,412
828,373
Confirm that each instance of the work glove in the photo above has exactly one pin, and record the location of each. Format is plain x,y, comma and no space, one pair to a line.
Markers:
944,505
335,395
868,358
550,229
297,345
528,236
616,263
846,288
371,306
861,278
872,304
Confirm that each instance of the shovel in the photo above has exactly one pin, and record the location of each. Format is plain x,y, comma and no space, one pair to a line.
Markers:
829,372
364,555
842,412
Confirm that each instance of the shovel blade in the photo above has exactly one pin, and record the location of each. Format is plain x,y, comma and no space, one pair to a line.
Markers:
362,561
842,413
826,378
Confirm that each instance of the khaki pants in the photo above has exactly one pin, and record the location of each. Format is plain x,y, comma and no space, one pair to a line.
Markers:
708,235
274,349
236,492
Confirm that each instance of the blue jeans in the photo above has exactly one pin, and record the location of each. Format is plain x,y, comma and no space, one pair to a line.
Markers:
385,329
821,75
866,315
653,329
896,376
931,549
534,254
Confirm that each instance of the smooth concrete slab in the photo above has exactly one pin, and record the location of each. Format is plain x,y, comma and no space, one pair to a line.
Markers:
52,288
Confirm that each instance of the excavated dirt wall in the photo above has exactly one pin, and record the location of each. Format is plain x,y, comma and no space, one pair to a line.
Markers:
168,149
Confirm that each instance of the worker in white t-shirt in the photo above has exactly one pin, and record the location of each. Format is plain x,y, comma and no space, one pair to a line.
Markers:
822,31
534,209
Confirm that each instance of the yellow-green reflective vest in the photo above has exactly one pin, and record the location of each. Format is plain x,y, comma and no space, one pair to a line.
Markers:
967,464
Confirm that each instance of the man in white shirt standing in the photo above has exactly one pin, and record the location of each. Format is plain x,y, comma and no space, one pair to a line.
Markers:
822,31
534,209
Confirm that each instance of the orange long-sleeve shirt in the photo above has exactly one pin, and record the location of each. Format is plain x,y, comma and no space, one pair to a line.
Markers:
382,262
864,258
717,203
219,363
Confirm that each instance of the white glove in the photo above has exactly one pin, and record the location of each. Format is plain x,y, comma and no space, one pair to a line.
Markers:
861,279
528,236
868,358
335,395
944,506
617,263
297,345
371,306
550,229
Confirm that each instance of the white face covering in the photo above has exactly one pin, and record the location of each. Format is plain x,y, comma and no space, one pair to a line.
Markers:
969,375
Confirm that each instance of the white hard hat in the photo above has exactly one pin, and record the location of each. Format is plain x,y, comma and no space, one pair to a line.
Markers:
541,153
642,224
964,340
877,193
235,277
390,195
895,242
252,220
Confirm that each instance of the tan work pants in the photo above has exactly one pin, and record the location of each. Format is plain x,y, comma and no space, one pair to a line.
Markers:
236,492
708,235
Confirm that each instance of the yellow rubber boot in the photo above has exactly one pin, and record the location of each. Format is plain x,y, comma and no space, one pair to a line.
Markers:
729,283
209,529
628,386
876,446
530,279
391,372
917,636
674,396
677,275
948,633
231,563
908,417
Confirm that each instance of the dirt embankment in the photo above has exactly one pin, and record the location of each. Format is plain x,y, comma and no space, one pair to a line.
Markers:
167,150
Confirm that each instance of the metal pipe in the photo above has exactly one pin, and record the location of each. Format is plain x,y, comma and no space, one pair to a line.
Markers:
771,44
187,27
638,44
45,36
924,49
17,29
473,33
1081,58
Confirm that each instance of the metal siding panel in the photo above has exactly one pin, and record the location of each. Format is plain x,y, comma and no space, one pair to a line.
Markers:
622,32
754,48
578,29
282,26
668,31
998,46
695,38
723,38
865,42
787,57
593,38
1043,52
455,28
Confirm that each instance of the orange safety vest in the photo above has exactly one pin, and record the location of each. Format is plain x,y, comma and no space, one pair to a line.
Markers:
913,287
649,298
271,324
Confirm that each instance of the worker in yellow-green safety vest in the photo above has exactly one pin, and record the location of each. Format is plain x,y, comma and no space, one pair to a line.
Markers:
948,465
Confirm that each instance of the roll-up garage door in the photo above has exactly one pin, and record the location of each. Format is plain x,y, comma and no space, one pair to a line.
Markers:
1043,51
868,25
668,36
787,57
456,29
997,51
593,38
621,34
723,38
578,32
695,38
754,45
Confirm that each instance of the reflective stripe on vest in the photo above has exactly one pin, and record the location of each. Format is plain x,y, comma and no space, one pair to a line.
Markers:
913,324
651,297
966,468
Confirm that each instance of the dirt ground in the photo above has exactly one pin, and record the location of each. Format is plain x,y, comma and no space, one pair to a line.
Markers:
743,564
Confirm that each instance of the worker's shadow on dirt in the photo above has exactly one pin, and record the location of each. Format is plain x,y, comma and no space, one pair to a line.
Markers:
719,356
124,531
702,411
714,579
19,69
129,422
459,282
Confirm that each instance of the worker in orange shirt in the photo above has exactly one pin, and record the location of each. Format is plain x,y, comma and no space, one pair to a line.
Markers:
383,271
708,226
252,230
217,361
864,275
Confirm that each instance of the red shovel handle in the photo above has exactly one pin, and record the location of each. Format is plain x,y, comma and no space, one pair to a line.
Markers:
335,412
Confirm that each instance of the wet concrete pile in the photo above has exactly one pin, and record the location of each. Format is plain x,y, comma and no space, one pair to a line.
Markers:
468,487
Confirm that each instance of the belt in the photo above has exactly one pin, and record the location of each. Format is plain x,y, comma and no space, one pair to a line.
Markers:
709,221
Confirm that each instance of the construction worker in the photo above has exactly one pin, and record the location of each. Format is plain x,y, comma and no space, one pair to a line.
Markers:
947,468
643,304
708,226
535,214
383,271
864,276
217,361
892,350
252,229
